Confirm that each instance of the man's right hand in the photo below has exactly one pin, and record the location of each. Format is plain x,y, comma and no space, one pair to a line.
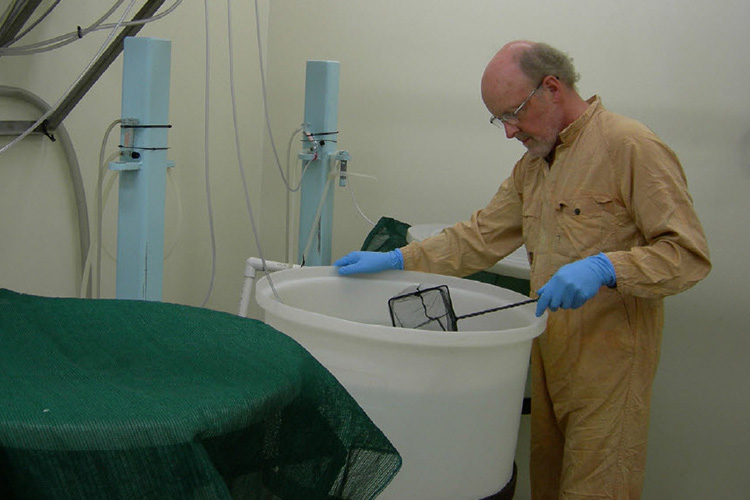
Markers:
369,262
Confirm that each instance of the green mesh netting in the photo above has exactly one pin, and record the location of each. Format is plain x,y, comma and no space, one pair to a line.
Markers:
145,400
388,234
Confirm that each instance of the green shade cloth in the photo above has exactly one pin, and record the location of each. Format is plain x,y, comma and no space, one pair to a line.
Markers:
388,234
146,400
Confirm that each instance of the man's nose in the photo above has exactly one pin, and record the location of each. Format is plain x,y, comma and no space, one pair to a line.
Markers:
510,130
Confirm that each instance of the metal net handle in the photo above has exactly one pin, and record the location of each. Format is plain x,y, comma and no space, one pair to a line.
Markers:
507,306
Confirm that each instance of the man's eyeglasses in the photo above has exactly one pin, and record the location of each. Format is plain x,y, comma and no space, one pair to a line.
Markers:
512,118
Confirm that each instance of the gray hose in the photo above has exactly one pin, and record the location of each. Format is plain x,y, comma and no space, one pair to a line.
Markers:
73,166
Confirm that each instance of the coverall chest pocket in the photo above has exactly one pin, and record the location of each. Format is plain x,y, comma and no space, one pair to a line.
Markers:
585,224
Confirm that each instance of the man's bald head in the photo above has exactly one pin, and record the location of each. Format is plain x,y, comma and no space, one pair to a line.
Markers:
522,62
529,87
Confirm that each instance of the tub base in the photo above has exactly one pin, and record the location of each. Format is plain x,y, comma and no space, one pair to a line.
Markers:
509,490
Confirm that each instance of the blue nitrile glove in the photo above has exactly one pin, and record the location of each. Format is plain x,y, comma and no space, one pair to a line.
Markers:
370,262
575,283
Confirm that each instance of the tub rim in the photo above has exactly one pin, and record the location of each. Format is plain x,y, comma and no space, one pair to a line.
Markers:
383,333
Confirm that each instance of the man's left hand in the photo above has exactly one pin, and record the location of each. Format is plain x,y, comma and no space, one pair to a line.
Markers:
575,283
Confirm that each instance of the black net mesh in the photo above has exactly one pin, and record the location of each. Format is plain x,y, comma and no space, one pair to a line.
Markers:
145,400
423,307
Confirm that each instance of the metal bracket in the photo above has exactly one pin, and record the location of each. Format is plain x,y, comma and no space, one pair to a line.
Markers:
15,23
343,158
86,82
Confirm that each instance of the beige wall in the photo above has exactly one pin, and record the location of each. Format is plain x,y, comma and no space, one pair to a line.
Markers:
411,115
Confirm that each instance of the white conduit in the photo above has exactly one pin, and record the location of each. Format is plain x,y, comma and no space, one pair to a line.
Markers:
252,266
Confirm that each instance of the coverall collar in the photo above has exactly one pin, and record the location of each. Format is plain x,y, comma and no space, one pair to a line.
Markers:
570,132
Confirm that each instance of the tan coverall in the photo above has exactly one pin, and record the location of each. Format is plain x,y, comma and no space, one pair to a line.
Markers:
613,187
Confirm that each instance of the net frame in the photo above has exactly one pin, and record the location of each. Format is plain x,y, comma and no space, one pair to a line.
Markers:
431,308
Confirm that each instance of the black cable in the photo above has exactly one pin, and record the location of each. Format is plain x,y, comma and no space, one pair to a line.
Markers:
145,126
313,134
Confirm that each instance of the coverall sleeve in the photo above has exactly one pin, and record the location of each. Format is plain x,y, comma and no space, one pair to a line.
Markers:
467,247
675,253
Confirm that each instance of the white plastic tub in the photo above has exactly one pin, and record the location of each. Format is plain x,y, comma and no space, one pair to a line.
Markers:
450,402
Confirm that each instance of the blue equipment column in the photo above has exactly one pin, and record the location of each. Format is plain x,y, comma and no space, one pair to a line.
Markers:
143,166
321,120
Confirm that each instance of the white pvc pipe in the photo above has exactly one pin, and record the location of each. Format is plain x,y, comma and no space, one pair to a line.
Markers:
252,266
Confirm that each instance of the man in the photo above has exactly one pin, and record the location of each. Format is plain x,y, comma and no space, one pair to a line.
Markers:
601,204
